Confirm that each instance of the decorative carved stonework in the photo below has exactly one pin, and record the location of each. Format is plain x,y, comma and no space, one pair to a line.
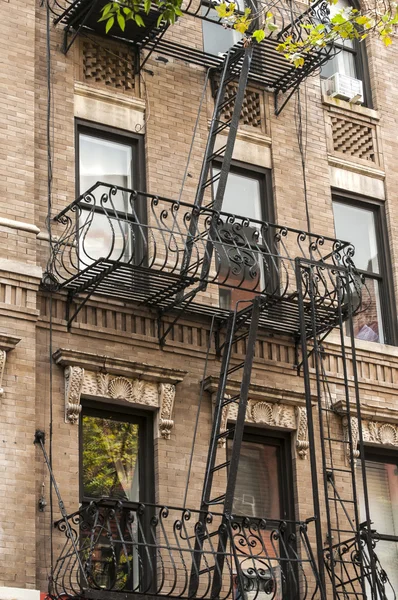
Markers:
74,377
271,414
7,343
166,395
302,443
354,435
3,355
380,433
147,393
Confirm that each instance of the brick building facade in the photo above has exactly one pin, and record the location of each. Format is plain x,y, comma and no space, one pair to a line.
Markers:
108,361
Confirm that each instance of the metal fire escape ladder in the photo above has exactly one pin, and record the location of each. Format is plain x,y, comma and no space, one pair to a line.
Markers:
348,547
241,325
237,62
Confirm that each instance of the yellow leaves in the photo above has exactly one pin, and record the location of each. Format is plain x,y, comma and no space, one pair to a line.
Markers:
387,40
241,26
225,10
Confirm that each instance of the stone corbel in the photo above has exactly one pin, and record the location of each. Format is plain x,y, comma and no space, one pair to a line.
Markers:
74,378
7,343
167,393
302,443
354,436
93,376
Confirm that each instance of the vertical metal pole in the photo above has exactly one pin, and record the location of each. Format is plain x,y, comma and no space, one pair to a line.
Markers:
361,444
340,288
310,421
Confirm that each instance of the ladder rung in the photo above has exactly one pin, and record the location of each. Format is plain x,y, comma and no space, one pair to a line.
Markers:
351,532
226,102
221,466
225,433
341,500
235,368
213,179
217,500
240,337
217,153
332,469
228,401
221,127
328,439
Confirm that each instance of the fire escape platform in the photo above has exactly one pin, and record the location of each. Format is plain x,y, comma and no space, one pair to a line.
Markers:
159,261
156,289
269,69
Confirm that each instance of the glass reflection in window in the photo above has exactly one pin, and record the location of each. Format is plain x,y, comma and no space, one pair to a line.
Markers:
110,458
107,161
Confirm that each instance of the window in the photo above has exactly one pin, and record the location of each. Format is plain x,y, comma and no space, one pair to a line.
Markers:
241,267
363,225
350,58
382,484
217,40
116,456
116,464
115,159
264,491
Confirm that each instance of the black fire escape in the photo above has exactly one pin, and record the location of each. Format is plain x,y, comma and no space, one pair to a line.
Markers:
282,281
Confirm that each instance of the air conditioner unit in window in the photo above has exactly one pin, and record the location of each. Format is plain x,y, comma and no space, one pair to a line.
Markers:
345,87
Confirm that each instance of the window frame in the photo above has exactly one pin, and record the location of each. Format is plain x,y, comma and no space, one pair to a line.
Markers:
283,441
267,206
385,277
146,459
361,63
382,455
138,172
121,136
263,175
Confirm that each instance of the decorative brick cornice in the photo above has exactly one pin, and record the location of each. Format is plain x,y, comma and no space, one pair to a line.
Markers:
117,366
261,392
93,376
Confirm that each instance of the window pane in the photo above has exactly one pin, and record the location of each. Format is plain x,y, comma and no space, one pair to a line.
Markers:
242,195
238,256
110,458
382,480
257,487
368,323
357,225
217,39
106,161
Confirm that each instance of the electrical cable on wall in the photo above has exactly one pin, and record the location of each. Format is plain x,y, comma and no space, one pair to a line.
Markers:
50,145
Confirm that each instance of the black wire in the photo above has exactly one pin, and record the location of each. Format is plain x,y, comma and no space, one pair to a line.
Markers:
302,139
50,134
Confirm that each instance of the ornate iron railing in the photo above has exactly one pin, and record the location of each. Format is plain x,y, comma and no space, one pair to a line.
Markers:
153,550
355,568
151,241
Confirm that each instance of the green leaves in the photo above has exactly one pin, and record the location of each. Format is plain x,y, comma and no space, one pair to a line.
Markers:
347,24
109,24
259,35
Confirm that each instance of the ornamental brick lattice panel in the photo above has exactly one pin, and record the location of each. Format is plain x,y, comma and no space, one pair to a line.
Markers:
110,66
251,110
353,138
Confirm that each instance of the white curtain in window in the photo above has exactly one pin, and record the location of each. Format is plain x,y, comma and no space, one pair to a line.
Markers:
382,483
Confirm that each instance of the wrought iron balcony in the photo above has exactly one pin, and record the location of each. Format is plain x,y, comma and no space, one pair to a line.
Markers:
151,250
114,549
353,565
